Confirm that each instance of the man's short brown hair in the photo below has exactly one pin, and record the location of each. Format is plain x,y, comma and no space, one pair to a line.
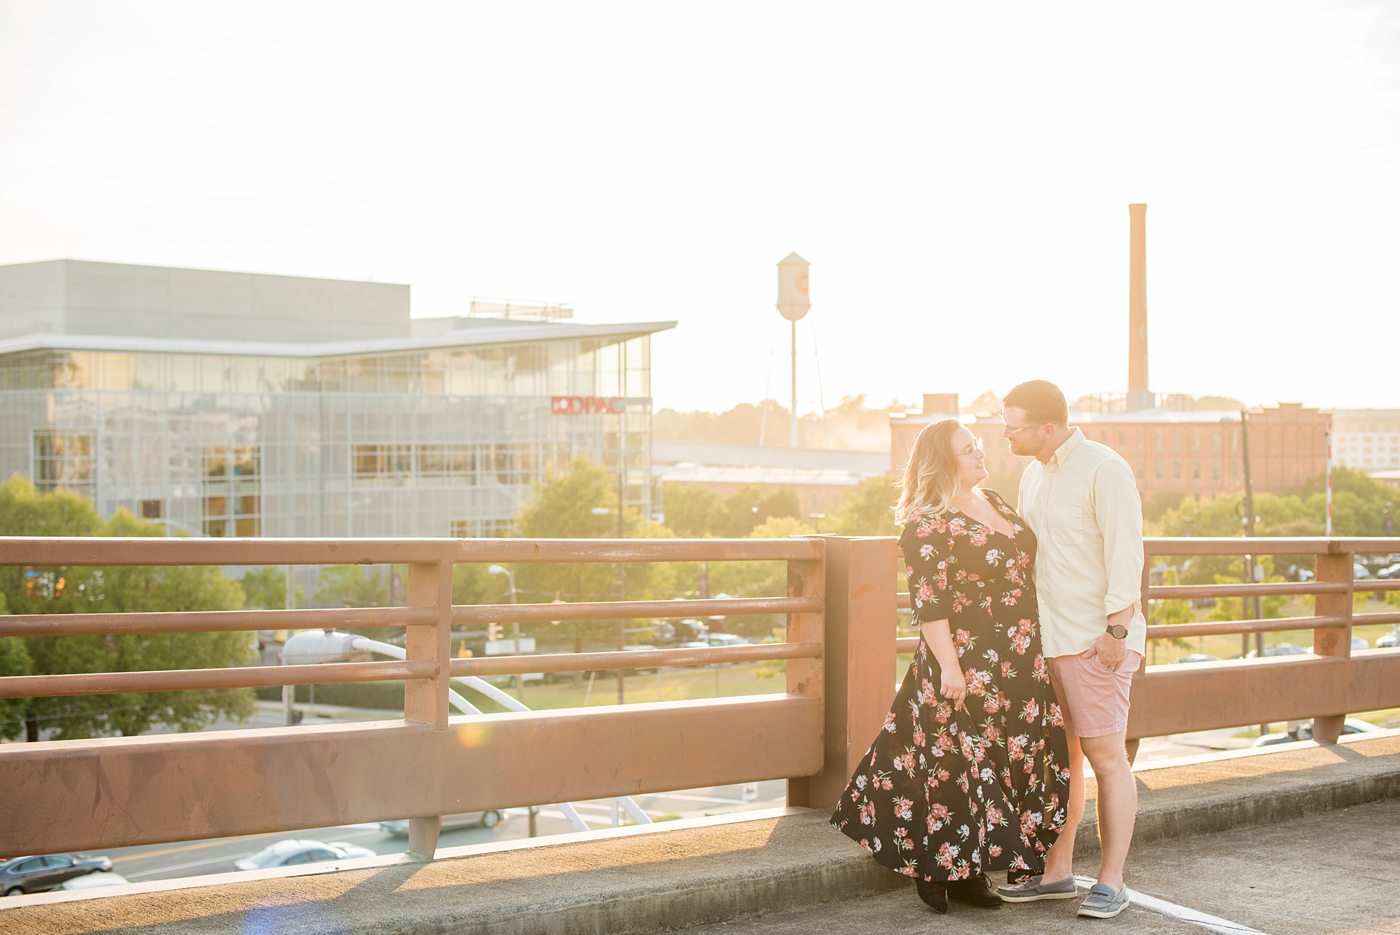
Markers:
1042,401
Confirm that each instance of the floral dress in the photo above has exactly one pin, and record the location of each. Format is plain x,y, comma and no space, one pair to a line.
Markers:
945,794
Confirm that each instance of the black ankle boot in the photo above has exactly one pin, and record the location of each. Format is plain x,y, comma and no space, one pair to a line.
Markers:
974,891
934,895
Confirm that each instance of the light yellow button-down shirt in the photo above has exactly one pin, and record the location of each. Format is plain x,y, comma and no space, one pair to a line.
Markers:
1084,509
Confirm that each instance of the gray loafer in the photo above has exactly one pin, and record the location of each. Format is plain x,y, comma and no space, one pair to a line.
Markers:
1104,902
1036,888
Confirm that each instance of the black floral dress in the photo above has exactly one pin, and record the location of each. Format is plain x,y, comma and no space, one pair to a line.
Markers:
946,794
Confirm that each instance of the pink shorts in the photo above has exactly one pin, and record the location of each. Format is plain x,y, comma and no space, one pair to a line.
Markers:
1094,699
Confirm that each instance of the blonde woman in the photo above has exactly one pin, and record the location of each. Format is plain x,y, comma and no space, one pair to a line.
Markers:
969,774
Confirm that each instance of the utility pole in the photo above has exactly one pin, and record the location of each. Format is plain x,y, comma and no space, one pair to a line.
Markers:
1253,602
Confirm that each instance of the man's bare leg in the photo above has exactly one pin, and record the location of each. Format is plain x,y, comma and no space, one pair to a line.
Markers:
1117,803
1059,862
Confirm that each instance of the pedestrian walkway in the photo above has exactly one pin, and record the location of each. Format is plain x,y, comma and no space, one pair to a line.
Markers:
1299,840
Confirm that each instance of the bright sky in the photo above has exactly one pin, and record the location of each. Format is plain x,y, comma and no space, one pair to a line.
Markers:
958,175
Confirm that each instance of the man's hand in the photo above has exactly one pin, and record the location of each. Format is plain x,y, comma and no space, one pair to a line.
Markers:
1108,651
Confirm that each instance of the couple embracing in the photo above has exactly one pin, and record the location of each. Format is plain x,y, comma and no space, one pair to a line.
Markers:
1031,629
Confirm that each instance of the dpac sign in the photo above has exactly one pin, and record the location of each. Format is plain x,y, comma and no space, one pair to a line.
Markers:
586,405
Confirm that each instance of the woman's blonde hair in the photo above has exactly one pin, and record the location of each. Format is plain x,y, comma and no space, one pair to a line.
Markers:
931,473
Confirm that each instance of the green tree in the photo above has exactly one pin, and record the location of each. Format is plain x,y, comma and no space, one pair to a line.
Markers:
122,589
751,505
354,586
582,504
868,510
14,660
266,589
694,511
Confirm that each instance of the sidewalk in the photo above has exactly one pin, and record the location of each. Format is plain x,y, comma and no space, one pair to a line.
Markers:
708,871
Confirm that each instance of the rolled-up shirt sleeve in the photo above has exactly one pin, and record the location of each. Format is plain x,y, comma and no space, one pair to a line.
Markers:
1118,512
928,557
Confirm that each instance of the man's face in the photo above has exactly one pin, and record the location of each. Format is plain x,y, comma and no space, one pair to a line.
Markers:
1024,436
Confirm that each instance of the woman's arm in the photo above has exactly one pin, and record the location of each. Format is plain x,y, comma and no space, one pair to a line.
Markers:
939,637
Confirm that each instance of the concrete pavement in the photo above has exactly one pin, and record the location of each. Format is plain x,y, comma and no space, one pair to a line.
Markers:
1311,829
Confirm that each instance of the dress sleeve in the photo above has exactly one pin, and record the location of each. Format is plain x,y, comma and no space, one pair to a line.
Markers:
928,562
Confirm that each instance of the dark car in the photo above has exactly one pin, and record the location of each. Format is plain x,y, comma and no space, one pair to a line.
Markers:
45,872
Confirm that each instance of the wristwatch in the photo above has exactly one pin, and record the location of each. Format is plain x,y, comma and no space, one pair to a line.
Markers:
1117,631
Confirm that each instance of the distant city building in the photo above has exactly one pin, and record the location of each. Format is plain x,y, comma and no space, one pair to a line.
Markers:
1171,447
239,404
819,478
1179,451
1366,439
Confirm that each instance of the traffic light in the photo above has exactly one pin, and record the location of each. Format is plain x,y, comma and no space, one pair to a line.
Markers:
493,631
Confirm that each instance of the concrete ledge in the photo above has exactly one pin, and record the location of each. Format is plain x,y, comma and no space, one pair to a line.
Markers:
674,875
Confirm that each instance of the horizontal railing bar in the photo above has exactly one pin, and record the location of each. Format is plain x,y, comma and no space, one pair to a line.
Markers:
902,601
1377,584
638,550
611,610
1370,620
148,550
906,644
1167,592
642,659
214,621
1266,545
111,683
1162,631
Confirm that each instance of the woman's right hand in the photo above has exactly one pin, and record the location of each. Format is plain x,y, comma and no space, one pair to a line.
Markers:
953,685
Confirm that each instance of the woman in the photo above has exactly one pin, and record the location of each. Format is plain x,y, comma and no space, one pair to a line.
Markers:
969,773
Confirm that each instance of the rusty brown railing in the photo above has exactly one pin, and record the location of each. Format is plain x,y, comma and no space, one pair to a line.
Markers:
1325,684
110,792
839,657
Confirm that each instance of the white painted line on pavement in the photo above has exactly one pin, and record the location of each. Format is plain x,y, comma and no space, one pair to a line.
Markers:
1181,913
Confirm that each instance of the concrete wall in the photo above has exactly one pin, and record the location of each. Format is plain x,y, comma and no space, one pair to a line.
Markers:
82,297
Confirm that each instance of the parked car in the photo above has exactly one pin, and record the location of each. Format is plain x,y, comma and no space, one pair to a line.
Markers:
43,872
1282,649
727,639
292,852
1389,640
1304,732
1359,571
1389,572
1198,657
487,819
94,881
1358,642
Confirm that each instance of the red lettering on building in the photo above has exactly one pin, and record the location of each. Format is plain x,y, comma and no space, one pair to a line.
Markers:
585,405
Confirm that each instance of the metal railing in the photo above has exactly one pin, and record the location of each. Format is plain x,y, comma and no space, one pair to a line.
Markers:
838,656
1325,684
111,792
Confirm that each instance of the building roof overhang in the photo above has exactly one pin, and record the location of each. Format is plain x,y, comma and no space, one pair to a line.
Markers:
483,335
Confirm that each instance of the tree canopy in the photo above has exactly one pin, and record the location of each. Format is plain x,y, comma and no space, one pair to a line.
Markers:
26,512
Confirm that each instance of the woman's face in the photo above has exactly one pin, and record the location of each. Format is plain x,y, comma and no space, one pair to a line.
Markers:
967,452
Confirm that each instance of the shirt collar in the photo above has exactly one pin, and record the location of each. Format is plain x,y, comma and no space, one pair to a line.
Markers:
1068,447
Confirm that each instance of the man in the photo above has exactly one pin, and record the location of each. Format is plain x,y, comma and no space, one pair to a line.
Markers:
1080,499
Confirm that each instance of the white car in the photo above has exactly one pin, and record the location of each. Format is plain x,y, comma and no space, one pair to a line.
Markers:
487,819
1389,640
293,852
93,881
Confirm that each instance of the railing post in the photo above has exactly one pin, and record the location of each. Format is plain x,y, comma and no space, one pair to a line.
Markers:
858,660
425,700
1332,567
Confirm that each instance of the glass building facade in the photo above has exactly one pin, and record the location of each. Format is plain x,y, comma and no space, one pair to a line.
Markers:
437,436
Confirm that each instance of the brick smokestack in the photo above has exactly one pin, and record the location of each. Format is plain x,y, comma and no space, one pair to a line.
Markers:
1138,396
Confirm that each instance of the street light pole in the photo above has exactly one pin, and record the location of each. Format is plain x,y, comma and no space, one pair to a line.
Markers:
514,624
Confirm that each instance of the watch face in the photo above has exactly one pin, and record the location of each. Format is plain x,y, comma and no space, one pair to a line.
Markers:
1118,632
